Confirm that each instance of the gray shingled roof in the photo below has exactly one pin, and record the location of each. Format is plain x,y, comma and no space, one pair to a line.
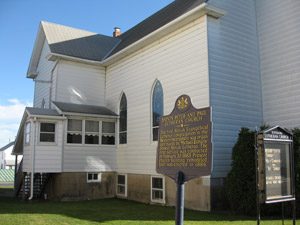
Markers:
156,21
7,146
92,46
84,109
42,112
77,43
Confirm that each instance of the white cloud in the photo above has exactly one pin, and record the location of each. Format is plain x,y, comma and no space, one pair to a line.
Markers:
10,118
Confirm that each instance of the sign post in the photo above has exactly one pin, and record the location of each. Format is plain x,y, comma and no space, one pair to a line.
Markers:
184,149
275,166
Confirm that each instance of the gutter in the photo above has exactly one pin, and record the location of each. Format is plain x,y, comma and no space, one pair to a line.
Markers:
196,12
55,56
90,115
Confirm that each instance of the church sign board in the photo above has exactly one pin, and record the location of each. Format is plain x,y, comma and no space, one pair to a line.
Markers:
184,142
275,161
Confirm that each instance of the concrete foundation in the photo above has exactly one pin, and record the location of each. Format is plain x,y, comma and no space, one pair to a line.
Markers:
74,187
203,194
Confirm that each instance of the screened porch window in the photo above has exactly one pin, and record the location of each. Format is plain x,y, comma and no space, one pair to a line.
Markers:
47,132
74,131
123,120
157,109
91,132
108,133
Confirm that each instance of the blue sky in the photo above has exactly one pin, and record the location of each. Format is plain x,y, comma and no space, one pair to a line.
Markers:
19,22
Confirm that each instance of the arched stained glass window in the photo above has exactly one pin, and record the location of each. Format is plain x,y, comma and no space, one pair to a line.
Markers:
123,120
157,109
43,105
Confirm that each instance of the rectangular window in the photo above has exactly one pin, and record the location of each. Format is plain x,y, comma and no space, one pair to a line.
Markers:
93,177
157,189
47,132
27,133
91,132
122,185
108,133
74,131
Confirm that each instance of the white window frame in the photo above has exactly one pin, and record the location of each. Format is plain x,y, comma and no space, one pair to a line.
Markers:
27,134
55,132
125,185
163,190
94,180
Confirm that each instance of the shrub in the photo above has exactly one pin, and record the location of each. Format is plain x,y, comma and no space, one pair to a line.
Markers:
241,180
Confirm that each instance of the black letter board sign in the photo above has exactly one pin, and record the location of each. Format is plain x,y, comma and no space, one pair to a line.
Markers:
184,142
275,160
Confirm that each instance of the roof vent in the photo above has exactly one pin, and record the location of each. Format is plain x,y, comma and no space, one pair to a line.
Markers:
117,32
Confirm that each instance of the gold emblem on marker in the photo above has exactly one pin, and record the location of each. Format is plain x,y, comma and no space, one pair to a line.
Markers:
182,103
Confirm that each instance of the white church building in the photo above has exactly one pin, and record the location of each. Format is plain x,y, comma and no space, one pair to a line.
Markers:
92,132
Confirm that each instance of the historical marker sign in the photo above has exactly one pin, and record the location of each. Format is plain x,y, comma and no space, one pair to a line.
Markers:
275,165
184,142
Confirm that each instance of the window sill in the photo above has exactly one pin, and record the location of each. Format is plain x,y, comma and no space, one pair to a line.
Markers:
158,201
47,143
122,145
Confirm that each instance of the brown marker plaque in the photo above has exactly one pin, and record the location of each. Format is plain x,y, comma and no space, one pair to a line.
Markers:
184,142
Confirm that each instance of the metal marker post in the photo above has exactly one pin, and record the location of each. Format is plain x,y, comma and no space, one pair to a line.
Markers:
257,179
180,199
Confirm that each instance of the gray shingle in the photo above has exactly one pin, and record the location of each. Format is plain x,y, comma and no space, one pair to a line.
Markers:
156,21
92,46
77,43
7,146
84,109
42,112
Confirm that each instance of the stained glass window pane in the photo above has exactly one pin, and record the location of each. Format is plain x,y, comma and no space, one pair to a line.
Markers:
158,108
123,120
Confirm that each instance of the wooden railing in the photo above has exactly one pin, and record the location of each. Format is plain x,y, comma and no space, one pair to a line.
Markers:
18,178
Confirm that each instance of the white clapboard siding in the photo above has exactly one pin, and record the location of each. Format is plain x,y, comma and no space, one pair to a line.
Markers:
42,82
27,158
48,156
79,83
235,91
86,158
54,85
179,62
279,42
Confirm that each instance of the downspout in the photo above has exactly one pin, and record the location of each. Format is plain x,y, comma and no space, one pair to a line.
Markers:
33,161
63,144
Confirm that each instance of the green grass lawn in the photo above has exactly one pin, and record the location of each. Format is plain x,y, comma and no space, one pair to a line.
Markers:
110,211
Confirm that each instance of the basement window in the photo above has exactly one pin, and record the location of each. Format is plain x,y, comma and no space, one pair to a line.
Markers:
157,189
122,185
47,132
93,177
